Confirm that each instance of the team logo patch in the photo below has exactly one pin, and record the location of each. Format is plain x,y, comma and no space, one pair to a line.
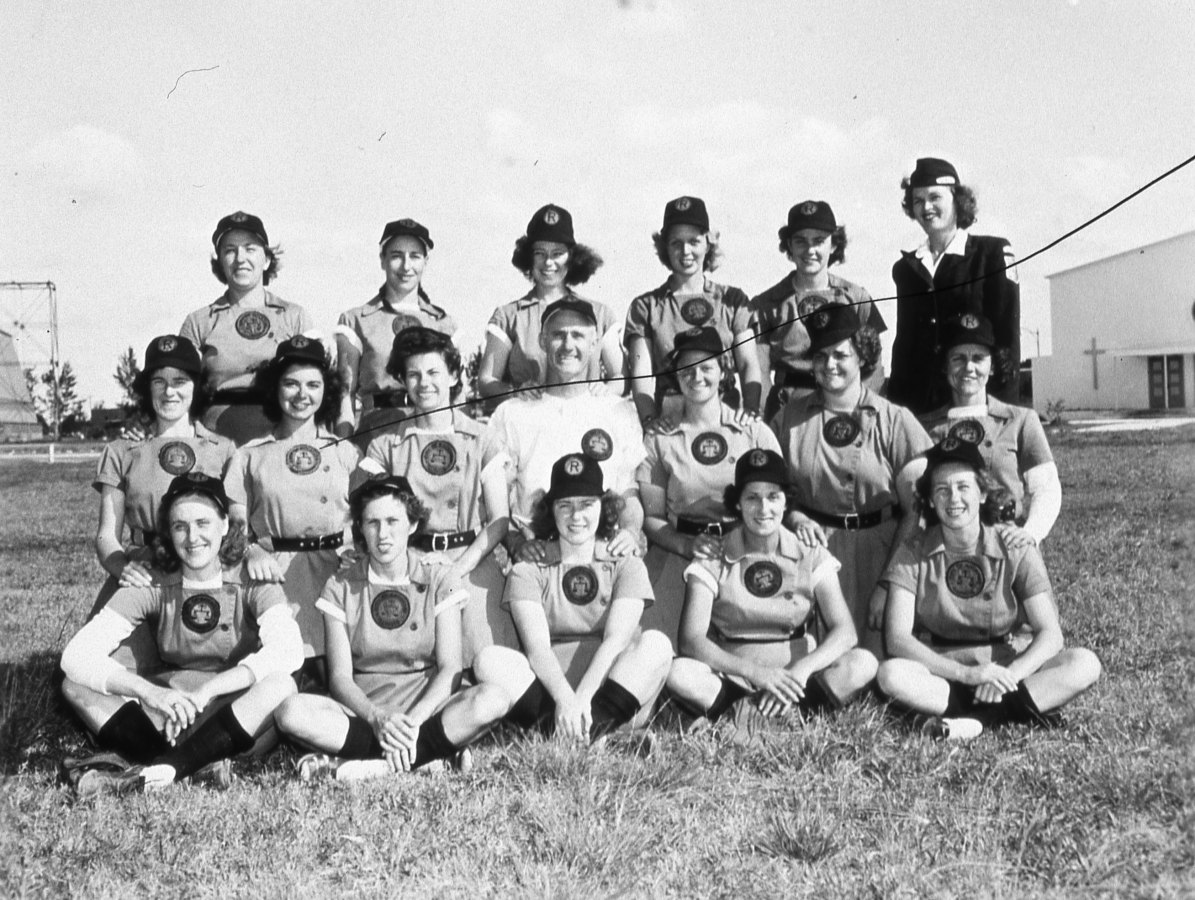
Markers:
696,311
967,430
597,444
167,344
807,306
239,217
840,430
201,613
682,204
574,466
303,459
390,609
177,458
952,442
709,448
438,457
808,208
408,223
551,217
757,459
252,324
965,578
299,341
763,578
820,319
580,584
402,322
969,321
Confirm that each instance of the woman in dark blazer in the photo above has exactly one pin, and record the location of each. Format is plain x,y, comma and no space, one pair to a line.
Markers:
952,273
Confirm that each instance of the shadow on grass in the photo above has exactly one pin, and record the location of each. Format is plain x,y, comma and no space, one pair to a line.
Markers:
37,728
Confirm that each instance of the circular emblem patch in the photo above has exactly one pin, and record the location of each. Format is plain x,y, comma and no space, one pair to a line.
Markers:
177,458
167,343
967,430
840,430
969,321
965,578
810,304
951,442
252,325
390,609
763,578
682,204
299,341
201,613
551,217
438,457
820,319
709,448
302,459
757,459
808,208
696,311
574,466
597,444
580,585
402,322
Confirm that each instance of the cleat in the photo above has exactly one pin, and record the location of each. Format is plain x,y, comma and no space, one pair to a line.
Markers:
939,728
362,769
215,775
462,761
313,766
71,769
97,782
746,724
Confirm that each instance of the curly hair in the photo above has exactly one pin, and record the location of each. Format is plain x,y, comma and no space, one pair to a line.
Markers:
543,518
268,377
273,254
866,342
732,494
966,209
201,396
713,256
417,513
671,377
166,559
998,506
583,261
418,342
837,247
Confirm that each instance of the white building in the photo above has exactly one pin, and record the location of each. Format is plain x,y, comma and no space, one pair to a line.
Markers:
1123,331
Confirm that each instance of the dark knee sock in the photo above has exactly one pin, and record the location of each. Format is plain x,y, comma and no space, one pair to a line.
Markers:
360,742
131,733
961,700
818,696
1019,706
432,743
528,710
220,736
728,694
612,705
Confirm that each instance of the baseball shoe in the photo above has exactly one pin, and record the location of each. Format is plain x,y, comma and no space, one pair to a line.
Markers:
71,769
362,769
313,766
745,724
96,782
215,775
940,728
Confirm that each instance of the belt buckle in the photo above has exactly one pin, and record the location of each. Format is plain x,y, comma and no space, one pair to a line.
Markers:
713,529
440,541
851,521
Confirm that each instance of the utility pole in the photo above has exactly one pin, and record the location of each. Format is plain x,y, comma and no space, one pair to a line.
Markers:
55,363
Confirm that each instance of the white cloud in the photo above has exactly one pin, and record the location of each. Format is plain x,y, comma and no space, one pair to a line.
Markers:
83,159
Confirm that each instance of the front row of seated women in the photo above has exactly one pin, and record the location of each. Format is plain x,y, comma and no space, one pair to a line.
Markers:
971,626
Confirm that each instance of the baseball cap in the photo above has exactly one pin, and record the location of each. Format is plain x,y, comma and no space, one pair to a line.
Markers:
196,483
809,214
830,324
407,227
174,351
931,172
240,221
551,223
686,211
575,475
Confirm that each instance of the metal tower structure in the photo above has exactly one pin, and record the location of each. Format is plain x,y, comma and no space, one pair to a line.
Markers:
33,322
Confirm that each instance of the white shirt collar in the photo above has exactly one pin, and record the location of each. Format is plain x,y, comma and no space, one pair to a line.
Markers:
211,584
378,581
956,247
967,412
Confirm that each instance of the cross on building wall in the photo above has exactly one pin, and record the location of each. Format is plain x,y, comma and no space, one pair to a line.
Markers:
1095,364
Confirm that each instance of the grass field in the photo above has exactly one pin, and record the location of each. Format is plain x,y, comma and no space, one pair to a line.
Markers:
846,807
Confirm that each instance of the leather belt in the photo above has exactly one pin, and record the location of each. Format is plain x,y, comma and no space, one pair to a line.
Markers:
937,641
697,526
798,632
307,544
439,541
237,397
853,521
389,399
795,378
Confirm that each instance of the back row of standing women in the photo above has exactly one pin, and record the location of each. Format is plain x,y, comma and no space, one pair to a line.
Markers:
851,458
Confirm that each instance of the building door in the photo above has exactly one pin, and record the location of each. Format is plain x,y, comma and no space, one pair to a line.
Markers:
1157,382
1175,398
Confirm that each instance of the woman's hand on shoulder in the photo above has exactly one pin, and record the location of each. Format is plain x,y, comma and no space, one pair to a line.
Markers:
261,564
626,543
808,532
705,546
535,551
135,575
1014,536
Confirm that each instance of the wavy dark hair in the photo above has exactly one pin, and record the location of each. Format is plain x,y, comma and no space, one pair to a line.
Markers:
415,343
726,383
417,513
201,395
543,520
232,547
583,261
966,208
866,342
714,257
998,507
837,247
273,254
269,376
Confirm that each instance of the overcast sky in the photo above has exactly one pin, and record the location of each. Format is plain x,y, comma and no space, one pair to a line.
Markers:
328,119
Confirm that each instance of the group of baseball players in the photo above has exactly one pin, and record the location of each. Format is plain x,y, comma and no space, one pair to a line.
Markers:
715,512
